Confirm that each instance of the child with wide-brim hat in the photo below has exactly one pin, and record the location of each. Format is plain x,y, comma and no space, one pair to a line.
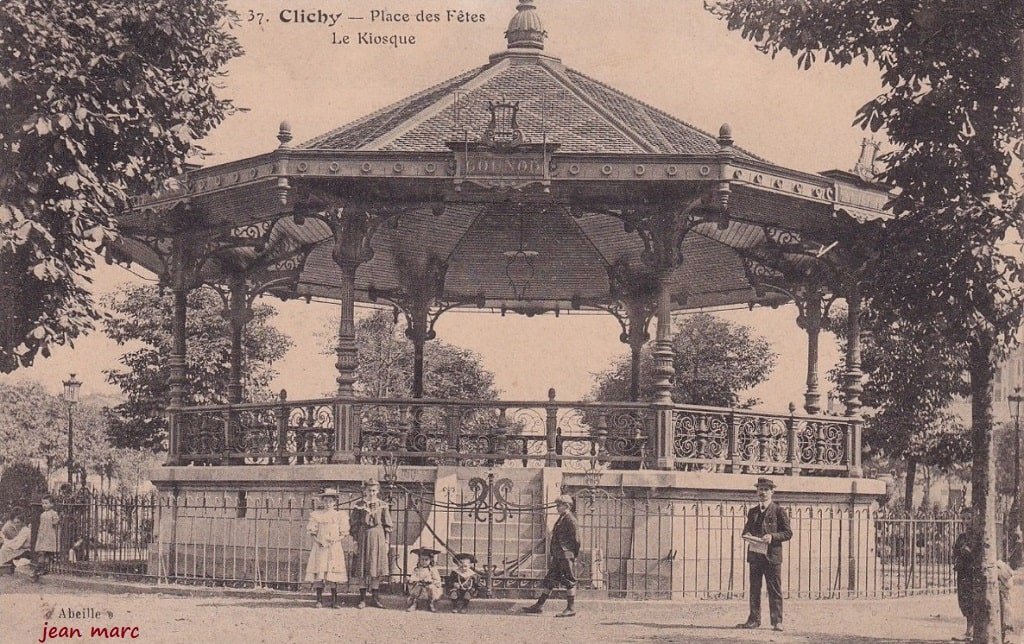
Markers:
327,526
425,579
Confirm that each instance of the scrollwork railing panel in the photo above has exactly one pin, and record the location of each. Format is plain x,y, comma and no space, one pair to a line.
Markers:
822,443
701,440
762,442
573,435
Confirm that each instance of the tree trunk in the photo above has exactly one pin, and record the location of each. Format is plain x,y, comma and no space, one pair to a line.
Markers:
908,499
987,628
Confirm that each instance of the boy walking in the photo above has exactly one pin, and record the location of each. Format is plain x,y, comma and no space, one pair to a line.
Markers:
565,549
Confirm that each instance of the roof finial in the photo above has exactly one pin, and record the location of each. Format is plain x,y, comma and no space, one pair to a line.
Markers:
725,135
525,29
284,134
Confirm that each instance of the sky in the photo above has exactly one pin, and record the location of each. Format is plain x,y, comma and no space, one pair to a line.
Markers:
671,54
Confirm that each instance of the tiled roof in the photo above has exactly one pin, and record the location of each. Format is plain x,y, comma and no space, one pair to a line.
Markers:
556,104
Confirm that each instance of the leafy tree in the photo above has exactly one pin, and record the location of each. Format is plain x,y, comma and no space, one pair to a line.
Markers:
130,468
386,358
101,99
912,376
34,425
715,360
141,320
952,74
19,483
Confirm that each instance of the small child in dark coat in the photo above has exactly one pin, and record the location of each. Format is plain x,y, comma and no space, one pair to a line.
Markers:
462,583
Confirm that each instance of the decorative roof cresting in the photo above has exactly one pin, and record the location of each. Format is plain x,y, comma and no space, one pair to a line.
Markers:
525,30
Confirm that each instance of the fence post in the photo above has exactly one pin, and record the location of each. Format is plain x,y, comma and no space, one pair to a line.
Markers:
225,458
793,444
856,470
282,428
498,438
602,432
346,433
552,430
734,442
852,542
665,437
173,437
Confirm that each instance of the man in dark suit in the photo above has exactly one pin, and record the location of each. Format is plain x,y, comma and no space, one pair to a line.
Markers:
767,524
565,549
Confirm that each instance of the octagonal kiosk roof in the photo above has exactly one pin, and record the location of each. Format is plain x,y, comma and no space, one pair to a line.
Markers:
521,158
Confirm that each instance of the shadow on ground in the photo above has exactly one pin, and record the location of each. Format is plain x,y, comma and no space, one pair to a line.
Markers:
763,634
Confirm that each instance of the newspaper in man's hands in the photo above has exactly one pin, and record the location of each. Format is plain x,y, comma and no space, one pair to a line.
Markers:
756,544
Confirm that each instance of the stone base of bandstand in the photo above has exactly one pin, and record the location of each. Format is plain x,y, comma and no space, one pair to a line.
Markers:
646,534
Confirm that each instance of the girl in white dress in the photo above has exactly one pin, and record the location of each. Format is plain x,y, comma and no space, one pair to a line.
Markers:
328,526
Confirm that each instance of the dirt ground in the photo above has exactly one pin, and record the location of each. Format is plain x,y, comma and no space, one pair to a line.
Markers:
261,617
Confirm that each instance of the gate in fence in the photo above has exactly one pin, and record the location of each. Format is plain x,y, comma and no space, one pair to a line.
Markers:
502,527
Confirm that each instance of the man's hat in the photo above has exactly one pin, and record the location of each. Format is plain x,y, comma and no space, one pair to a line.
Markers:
462,556
329,491
763,482
425,552
564,499
370,482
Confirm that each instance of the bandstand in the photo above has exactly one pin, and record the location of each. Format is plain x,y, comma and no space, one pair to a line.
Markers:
522,187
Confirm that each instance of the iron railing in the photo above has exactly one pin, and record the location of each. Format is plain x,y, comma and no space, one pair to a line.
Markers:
524,433
632,547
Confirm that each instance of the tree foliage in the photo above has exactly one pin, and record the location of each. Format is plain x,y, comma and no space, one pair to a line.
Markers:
951,73
141,320
386,363
101,99
715,361
912,377
19,484
34,425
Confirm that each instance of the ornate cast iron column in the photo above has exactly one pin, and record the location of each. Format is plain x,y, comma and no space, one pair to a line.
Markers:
238,314
183,267
353,222
811,323
346,362
635,294
422,288
814,308
638,314
345,430
853,378
664,357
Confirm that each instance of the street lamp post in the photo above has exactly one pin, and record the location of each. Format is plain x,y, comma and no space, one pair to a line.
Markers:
1016,399
71,387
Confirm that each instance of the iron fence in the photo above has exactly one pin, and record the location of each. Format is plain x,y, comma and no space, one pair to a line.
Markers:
632,547
105,533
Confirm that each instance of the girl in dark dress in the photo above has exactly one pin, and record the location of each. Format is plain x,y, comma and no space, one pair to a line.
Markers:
370,525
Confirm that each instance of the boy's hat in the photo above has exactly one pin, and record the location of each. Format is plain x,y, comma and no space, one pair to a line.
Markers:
564,499
370,482
426,552
765,483
463,556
